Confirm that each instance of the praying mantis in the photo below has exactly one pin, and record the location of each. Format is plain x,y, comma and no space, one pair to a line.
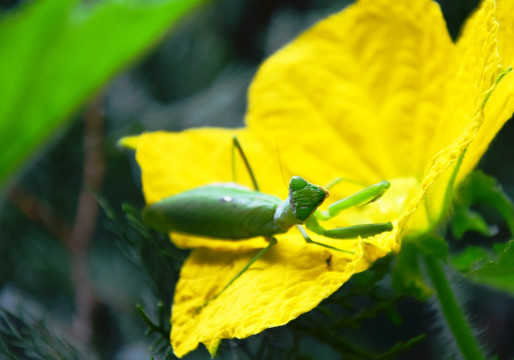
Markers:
232,212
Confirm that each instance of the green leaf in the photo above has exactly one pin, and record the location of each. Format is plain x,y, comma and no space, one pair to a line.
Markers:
23,337
401,347
498,274
408,277
480,188
470,257
57,53
465,219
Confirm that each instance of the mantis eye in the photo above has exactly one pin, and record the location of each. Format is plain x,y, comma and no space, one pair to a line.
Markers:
297,183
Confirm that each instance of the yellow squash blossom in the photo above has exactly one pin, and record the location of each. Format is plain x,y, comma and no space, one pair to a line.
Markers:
376,92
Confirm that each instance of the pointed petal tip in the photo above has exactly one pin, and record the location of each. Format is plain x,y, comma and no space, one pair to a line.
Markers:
212,347
128,142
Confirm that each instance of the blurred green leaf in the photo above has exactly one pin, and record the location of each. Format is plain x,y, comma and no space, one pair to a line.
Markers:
470,257
465,219
24,338
480,188
57,53
498,274
408,278
402,346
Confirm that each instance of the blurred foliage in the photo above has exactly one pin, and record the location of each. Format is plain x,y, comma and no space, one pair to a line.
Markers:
471,257
409,275
498,272
58,52
480,189
197,76
31,340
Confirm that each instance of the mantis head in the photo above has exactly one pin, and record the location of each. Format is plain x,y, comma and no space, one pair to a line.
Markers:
305,197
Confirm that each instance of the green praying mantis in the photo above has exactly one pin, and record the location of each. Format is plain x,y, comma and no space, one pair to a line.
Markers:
232,212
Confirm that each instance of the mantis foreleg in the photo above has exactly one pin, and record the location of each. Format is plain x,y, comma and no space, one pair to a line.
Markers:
349,232
363,197
310,241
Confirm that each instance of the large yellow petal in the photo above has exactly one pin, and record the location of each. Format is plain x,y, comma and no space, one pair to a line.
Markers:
500,106
289,281
400,102
367,84
297,266
463,121
203,155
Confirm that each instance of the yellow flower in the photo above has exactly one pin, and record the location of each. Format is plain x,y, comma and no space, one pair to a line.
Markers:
377,91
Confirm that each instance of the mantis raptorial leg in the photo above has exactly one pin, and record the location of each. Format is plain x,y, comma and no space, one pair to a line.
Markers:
365,196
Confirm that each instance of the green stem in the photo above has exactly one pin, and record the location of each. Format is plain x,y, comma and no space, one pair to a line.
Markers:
453,313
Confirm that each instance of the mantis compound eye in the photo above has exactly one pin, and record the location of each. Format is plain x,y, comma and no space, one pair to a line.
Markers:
297,183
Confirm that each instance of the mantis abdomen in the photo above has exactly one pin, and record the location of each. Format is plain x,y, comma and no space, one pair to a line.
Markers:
224,212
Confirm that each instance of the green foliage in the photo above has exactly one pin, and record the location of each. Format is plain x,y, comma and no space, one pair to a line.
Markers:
158,260
497,273
465,219
340,317
25,339
349,351
160,330
408,277
470,257
152,252
480,188
401,347
58,53
492,267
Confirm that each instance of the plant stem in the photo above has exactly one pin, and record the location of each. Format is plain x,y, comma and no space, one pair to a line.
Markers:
452,311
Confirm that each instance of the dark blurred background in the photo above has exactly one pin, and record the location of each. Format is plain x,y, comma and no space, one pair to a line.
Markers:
197,76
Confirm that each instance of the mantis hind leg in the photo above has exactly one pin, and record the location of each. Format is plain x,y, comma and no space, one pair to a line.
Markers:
271,242
237,146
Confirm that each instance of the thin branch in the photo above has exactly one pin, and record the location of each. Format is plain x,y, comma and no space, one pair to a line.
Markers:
85,221
36,210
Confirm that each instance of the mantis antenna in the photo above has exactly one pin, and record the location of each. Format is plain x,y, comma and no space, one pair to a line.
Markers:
280,165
